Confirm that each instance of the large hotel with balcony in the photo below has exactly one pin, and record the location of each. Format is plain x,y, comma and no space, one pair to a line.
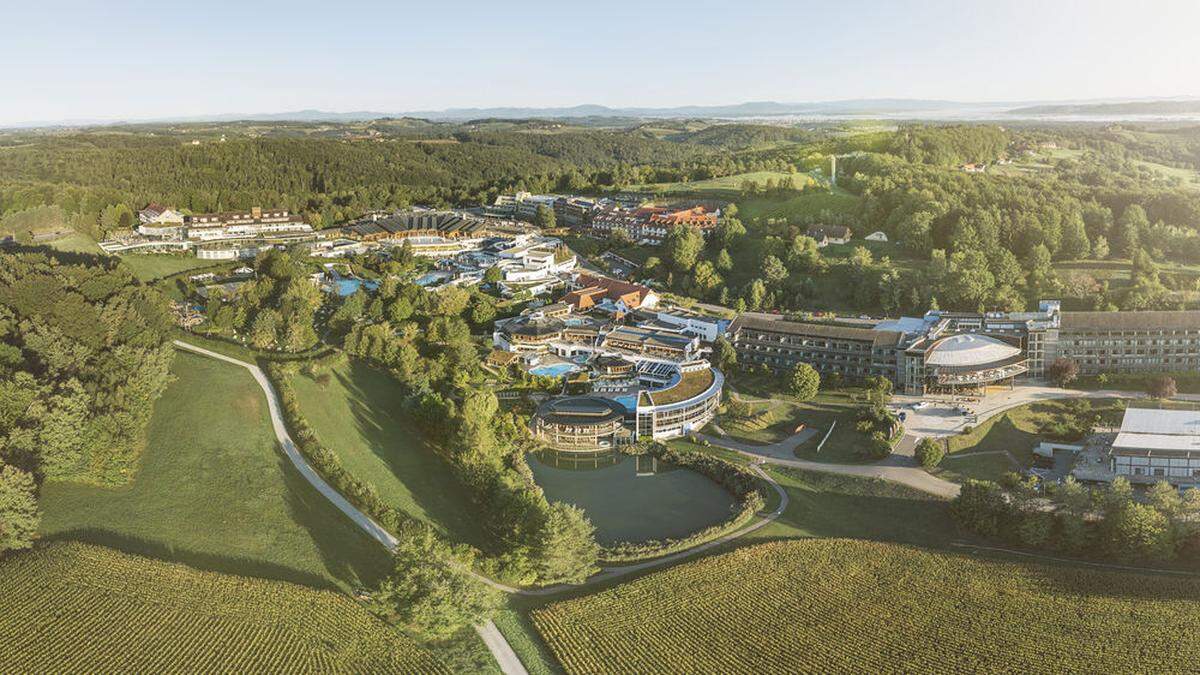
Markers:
956,351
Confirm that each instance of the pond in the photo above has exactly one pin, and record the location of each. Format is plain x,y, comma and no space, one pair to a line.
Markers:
633,498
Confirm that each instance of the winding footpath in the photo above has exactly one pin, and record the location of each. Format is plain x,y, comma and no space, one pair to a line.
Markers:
499,647
509,663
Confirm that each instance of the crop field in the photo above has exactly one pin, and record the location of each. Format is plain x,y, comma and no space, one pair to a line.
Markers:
72,607
840,606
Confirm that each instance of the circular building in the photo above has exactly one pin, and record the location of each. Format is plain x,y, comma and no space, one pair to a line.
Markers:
581,424
972,361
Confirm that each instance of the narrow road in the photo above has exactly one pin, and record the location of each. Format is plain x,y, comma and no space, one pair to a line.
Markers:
492,637
906,475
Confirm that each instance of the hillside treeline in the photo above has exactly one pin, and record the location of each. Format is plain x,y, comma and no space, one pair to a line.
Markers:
83,357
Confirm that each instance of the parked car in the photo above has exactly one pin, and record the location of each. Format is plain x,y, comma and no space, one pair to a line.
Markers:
920,405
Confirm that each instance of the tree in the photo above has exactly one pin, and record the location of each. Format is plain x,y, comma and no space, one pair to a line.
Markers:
805,382
19,517
724,354
1063,371
728,231
1165,498
755,294
264,330
544,217
724,262
565,549
1163,387
1128,231
493,275
430,590
682,247
929,453
1138,531
981,507
774,270
1075,245
879,447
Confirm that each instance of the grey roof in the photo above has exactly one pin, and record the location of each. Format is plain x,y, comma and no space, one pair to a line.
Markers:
580,410
776,324
1151,429
1105,321
970,350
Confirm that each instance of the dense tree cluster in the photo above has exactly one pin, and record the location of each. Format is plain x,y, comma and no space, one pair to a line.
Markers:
83,357
949,145
1072,519
273,311
424,339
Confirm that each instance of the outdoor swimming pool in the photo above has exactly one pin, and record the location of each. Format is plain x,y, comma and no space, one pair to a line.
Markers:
625,506
554,369
350,286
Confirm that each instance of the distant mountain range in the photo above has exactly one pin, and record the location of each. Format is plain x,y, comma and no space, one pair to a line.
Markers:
883,107
1161,107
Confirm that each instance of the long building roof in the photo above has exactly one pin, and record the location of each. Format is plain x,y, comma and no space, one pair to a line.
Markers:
1153,429
1108,321
776,324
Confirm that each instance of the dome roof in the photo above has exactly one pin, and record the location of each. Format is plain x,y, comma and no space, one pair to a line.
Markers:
967,350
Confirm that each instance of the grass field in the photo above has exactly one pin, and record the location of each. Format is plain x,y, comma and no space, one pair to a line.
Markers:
729,187
768,422
213,491
151,266
75,243
795,207
356,413
845,445
835,606
72,607
1013,433
824,505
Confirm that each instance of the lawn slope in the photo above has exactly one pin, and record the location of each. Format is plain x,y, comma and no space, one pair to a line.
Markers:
214,491
73,607
356,413
851,606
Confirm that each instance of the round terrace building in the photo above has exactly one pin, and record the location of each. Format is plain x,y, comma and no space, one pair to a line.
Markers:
971,361
581,424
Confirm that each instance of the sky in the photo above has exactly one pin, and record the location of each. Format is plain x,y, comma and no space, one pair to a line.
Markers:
118,60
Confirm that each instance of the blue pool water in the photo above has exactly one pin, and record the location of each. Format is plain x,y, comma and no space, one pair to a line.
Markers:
630,402
430,278
554,370
350,286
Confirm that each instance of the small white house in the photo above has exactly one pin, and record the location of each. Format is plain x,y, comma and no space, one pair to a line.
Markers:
876,236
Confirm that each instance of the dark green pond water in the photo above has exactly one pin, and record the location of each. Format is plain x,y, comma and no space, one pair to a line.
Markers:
664,501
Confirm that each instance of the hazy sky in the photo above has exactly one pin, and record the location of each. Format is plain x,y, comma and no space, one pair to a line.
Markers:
116,59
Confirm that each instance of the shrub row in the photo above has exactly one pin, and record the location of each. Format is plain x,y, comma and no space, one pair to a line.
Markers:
740,482
361,494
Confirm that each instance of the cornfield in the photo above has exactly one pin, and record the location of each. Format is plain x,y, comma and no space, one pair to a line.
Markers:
832,606
78,608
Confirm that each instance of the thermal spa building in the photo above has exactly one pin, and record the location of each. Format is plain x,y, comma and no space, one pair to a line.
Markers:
594,423
969,350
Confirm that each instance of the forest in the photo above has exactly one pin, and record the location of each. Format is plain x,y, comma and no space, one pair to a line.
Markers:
83,358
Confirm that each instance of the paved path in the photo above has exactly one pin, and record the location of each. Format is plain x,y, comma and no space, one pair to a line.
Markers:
894,471
501,651
941,419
